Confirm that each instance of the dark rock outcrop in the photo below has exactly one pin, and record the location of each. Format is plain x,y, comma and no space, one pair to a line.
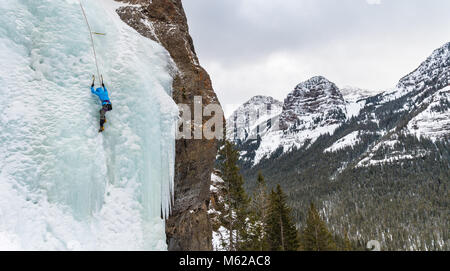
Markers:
188,228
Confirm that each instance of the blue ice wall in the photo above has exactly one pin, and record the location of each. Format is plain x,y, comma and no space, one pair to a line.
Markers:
62,184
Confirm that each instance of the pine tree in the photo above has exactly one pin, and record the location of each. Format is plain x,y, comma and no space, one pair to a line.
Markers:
236,200
347,244
281,231
342,242
259,208
316,236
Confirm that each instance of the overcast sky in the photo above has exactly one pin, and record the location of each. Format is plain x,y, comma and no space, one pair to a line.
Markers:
267,47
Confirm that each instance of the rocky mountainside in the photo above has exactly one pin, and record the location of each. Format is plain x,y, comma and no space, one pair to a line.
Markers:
313,108
165,22
432,73
317,107
354,94
313,103
382,171
434,121
245,121
420,106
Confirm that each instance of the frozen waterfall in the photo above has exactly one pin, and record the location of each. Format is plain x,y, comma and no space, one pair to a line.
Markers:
63,186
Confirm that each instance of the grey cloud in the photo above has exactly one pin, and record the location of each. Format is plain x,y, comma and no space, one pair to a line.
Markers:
234,34
223,31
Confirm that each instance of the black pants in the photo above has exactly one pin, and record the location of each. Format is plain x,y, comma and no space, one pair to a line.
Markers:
105,108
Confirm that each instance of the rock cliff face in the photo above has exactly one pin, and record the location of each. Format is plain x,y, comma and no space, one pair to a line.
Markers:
164,21
313,103
433,72
315,107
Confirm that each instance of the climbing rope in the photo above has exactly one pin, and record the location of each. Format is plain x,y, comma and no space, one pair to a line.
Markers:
92,39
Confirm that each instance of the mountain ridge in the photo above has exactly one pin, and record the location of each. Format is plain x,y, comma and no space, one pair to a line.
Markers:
382,171
304,109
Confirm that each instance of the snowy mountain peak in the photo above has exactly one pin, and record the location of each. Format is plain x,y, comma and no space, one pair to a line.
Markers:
315,102
261,99
433,72
245,120
354,94
311,83
313,108
317,106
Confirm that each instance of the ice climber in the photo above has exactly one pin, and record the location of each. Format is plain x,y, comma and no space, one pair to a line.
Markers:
102,94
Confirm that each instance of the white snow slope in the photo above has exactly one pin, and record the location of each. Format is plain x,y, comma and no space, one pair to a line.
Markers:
429,123
346,141
63,186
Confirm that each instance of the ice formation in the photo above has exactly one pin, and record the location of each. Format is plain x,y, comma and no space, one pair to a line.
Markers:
63,186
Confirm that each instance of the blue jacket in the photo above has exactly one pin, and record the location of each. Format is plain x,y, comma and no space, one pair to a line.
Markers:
102,94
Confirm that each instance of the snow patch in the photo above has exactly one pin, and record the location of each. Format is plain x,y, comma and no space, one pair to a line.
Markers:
347,141
432,124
